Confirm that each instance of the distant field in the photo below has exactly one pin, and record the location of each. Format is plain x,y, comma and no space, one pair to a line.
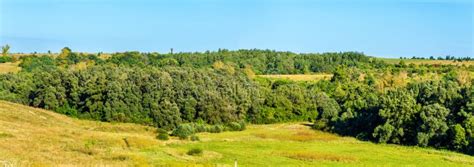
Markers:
18,55
419,61
35,137
300,77
9,67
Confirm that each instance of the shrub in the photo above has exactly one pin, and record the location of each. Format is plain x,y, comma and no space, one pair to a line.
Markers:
458,137
216,129
4,59
195,151
195,138
183,131
66,109
159,130
163,136
319,124
200,128
243,126
234,126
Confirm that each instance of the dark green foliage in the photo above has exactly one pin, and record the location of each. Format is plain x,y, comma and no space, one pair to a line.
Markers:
159,130
234,126
183,131
383,133
195,151
164,98
398,115
4,59
433,124
320,124
195,138
163,136
200,128
216,129
262,61
30,63
458,137
435,113
67,110
280,101
243,125
131,59
327,107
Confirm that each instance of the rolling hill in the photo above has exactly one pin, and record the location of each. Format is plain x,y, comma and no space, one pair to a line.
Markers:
30,136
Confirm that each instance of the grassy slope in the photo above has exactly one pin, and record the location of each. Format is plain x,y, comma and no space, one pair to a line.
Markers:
30,136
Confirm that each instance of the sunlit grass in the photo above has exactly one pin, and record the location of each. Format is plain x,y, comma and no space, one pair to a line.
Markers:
35,137
315,156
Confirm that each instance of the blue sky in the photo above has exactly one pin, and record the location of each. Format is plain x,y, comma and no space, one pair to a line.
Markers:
390,28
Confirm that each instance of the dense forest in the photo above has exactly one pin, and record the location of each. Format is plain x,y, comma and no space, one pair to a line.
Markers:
422,105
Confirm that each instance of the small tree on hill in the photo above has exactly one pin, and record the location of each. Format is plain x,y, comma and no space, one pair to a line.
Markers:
64,52
5,50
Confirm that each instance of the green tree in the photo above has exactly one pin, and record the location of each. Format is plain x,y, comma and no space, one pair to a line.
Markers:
433,123
5,50
64,53
399,110
458,137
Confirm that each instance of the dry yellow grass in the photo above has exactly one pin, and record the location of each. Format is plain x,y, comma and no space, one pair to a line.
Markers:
315,156
39,137
9,67
298,134
300,77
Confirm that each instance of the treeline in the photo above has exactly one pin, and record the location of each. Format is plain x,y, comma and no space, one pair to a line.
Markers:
448,57
260,61
161,97
437,113
219,87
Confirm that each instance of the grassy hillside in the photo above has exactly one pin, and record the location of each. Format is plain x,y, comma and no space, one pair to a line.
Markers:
30,136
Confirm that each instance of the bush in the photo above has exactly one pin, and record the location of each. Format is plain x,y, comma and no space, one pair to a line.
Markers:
216,129
234,126
243,126
195,138
159,130
66,109
183,131
320,125
163,136
200,128
458,137
195,151
4,59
